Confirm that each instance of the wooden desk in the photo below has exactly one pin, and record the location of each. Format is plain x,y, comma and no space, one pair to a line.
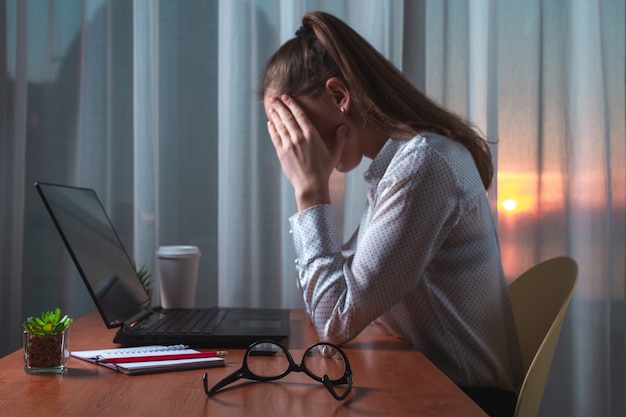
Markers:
390,379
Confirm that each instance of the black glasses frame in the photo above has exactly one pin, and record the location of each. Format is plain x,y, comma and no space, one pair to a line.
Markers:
245,373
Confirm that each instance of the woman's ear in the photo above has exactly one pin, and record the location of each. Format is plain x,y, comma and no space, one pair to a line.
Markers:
339,92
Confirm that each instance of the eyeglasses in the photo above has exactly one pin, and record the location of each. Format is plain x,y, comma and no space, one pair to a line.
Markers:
268,361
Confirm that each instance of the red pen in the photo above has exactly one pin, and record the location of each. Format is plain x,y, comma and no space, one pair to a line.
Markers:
169,357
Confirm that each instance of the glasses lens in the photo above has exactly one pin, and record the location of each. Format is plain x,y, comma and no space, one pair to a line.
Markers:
267,360
325,360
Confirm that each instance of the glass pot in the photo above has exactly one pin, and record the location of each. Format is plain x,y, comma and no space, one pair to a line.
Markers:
46,354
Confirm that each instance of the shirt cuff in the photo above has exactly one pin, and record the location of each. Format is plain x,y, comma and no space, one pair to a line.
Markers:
314,234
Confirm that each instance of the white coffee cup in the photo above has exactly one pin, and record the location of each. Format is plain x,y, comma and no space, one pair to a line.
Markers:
178,268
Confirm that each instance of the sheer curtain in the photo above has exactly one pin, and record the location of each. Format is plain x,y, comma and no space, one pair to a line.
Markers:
153,104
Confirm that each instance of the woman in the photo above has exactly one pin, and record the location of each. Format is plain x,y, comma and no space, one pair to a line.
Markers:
425,261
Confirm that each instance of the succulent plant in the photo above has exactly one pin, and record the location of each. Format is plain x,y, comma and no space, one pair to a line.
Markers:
50,323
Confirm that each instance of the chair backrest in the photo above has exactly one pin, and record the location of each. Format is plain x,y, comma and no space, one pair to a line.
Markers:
540,297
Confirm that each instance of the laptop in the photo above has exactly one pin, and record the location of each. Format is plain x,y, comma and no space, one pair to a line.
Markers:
108,272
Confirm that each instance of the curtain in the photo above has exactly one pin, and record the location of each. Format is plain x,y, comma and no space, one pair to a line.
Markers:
153,104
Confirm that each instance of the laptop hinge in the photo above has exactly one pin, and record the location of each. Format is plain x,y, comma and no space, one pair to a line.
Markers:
137,317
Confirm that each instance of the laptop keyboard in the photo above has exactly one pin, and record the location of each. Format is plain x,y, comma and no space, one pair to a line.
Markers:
194,321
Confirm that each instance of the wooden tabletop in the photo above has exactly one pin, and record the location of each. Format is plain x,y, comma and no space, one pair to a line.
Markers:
390,379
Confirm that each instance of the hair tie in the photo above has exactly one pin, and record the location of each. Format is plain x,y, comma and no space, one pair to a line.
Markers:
304,30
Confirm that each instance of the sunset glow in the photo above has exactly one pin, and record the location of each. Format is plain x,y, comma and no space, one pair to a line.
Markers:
516,191
509,205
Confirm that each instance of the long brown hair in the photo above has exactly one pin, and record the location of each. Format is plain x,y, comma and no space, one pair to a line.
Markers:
385,99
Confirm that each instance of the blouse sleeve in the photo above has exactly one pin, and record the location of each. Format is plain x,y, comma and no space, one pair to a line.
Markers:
410,212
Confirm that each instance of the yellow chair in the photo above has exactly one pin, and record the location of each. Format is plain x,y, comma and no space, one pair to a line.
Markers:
540,298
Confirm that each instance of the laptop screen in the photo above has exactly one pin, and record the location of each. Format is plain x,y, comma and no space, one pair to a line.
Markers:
96,250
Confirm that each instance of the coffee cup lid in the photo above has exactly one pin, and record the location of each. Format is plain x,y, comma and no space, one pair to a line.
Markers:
178,251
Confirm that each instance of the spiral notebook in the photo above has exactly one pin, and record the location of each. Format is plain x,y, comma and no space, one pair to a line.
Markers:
177,359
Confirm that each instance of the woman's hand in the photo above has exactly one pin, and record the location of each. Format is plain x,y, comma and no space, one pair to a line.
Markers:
306,160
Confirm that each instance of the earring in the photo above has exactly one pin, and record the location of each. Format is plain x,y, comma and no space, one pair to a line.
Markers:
343,110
